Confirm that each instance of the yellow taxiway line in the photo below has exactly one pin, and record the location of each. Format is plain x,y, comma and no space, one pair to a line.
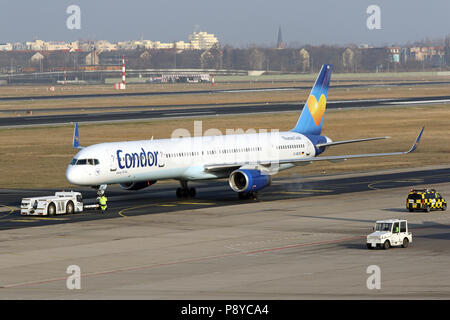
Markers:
121,212
11,210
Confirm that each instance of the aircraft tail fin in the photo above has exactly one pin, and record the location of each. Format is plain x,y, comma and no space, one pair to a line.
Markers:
76,138
311,119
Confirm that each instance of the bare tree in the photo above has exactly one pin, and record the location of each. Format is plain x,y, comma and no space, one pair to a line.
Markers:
348,57
447,50
303,60
257,59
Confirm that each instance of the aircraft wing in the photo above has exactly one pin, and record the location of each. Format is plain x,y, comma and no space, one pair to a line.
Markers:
334,143
304,161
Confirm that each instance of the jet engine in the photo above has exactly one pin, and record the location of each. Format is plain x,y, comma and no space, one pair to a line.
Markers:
244,180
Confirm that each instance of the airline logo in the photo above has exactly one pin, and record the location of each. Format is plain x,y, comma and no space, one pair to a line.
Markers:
137,159
317,108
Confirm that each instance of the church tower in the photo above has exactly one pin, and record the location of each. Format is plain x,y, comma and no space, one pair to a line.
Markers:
280,43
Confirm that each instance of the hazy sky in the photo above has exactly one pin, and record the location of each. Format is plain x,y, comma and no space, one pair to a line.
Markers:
235,22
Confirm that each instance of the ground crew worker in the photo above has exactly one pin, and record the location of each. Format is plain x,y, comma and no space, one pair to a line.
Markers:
102,201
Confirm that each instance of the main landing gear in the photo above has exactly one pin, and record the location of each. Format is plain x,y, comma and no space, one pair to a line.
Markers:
185,191
248,195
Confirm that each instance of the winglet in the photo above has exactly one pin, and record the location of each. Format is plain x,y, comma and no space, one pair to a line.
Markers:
76,138
414,146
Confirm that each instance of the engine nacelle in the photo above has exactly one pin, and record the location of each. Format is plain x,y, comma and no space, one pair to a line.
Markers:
132,186
244,180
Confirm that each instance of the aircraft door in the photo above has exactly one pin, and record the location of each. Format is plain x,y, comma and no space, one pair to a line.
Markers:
112,162
161,162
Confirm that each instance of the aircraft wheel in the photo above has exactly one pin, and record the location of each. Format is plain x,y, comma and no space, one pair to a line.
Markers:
179,193
243,195
192,192
248,195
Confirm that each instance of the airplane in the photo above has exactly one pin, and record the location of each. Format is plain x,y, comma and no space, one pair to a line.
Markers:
248,160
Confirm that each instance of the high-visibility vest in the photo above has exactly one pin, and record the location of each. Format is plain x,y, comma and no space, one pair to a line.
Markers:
102,201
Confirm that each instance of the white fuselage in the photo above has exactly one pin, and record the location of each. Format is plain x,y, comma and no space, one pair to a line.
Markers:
182,158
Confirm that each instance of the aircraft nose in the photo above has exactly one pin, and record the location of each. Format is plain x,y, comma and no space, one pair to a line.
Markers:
71,175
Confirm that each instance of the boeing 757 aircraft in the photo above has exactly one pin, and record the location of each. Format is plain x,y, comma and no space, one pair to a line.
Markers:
247,160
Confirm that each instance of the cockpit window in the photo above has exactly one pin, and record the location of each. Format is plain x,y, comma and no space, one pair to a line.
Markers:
92,162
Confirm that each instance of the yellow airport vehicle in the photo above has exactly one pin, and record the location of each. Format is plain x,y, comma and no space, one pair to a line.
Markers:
426,200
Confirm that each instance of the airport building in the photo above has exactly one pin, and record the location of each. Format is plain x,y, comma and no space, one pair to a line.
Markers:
202,40
6,46
394,54
197,41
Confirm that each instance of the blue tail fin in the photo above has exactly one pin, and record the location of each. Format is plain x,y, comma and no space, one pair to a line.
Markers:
76,138
311,119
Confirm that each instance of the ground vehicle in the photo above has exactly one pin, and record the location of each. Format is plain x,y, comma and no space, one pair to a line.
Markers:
389,233
425,199
60,203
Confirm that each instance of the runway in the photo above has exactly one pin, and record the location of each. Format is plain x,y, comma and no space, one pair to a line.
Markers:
214,91
308,243
174,112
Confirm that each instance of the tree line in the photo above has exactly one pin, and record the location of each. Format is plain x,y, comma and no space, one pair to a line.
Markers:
307,59
290,60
